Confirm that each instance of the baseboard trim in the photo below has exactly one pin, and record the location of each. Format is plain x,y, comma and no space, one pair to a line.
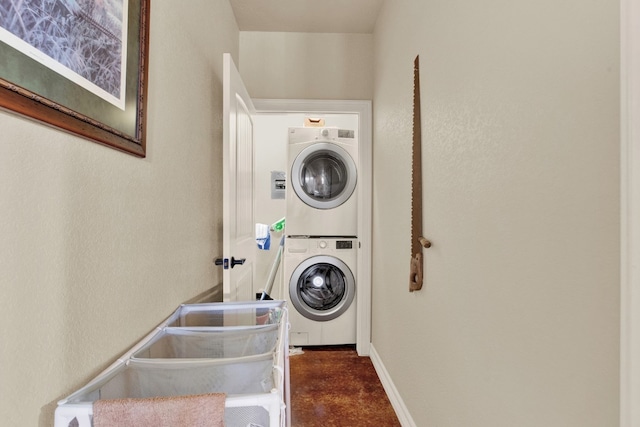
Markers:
210,295
392,392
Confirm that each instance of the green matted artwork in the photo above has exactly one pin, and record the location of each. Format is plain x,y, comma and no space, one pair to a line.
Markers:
78,65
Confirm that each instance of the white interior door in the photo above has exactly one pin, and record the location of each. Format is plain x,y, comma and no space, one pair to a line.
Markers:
238,214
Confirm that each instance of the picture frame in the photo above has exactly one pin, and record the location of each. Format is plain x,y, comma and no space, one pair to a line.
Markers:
33,90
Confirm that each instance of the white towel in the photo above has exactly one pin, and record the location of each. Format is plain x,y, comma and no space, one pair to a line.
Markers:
204,410
263,236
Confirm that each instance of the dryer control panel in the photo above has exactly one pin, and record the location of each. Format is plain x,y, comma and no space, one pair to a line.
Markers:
344,244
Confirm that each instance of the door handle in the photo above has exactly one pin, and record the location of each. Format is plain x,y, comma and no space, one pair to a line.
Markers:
224,262
235,262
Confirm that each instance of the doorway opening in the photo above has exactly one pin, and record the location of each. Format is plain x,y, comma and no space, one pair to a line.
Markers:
272,119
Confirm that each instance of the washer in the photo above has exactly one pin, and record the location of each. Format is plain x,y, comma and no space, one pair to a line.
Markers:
321,278
323,175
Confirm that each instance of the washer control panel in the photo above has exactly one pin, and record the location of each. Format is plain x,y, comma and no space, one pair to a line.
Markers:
330,244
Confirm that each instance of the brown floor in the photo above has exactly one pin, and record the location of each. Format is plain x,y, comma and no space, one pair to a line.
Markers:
334,387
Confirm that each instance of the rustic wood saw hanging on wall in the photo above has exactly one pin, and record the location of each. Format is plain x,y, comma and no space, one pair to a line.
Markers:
418,241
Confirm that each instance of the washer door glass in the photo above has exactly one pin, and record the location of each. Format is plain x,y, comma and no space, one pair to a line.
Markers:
324,175
322,288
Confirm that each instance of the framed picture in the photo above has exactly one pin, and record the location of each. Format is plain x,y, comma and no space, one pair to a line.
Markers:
78,65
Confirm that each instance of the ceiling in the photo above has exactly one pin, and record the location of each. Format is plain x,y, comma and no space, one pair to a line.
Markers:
307,16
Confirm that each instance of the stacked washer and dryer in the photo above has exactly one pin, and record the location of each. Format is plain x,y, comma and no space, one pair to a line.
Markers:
321,246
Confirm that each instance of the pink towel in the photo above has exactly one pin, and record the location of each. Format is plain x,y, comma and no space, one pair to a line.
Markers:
204,410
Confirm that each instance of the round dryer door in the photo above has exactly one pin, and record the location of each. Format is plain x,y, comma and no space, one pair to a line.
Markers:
323,175
322,288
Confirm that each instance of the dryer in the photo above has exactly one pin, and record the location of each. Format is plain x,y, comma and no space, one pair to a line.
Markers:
320,274
323,175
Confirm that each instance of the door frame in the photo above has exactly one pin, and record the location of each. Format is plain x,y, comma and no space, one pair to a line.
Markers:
629,213
365,184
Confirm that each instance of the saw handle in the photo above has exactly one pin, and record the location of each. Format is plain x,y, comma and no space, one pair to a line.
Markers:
415,273
424,242
416,268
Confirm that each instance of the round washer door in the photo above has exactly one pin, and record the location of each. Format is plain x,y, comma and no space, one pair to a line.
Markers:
322,288
324,175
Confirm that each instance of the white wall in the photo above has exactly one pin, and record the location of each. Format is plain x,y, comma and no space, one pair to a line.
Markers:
307,65
98,246
517,324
